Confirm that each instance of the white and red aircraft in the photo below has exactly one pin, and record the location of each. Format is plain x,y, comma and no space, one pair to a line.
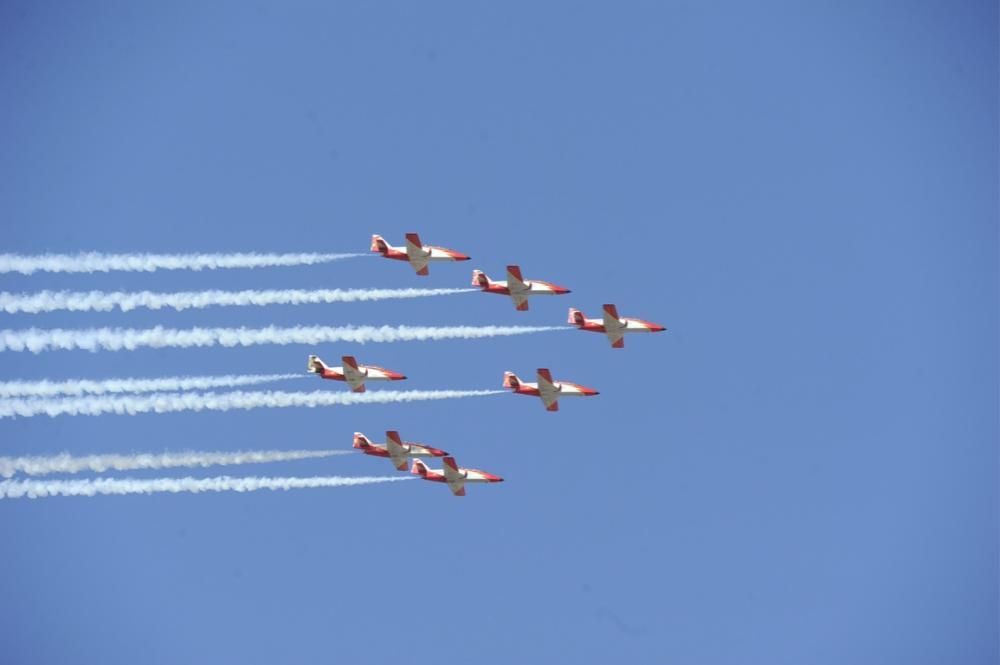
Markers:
452,474
612,325
516,287
395,449
415,252
550,391
352,373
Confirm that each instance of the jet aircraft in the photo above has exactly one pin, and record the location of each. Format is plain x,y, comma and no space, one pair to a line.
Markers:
397,450
612,325
418,254
455,476
549,390
516,287
352,373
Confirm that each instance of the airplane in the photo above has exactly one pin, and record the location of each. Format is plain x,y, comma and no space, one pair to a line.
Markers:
395,449
452,474
516,287
415,252
354,374
550,391
612,325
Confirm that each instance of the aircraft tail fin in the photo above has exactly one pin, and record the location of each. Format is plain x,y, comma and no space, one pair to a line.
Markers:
361,441
511,381
379,244
576,317
419,468
316,365
480,279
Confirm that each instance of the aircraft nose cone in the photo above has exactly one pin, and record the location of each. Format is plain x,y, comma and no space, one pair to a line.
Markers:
659,328
563,291
461,257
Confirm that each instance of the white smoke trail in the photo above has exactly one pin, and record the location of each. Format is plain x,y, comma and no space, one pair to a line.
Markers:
100,301
98,262
47,388
37,340
173,402
34,489
66,463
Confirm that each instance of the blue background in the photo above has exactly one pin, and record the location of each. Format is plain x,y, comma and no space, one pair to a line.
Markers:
802,470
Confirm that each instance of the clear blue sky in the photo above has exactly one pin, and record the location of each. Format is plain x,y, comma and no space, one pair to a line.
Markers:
802,470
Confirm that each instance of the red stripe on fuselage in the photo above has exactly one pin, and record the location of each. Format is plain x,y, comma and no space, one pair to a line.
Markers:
395,255
592,326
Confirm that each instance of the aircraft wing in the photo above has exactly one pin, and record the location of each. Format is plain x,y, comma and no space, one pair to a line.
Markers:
397,451
614,327
454,477
353,374
520,301
548,390
611,319
413,244
551,401
514,280
416,254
